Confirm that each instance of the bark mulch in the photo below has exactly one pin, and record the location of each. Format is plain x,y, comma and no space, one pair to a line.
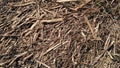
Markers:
50,34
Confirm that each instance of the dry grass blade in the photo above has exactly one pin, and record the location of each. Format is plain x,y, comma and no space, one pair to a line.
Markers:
16,22
25,4
38,20
65,0
107,42
42,63
34,24
59,33
82,5
17,56
27,57
105,50
89,25
3,63
51,48
97,58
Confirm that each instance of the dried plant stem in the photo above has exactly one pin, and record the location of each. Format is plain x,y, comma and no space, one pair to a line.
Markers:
17,56
51,48
82,5
52,20
25,4
89,25
42,63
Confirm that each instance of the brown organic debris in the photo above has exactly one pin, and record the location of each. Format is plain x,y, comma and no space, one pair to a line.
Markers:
59,34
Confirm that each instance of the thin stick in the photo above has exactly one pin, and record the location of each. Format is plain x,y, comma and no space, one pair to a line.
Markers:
52,20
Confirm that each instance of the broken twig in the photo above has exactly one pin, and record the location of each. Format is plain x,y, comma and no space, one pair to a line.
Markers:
51,21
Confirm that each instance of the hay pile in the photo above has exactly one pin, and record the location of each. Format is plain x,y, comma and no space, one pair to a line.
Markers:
47,34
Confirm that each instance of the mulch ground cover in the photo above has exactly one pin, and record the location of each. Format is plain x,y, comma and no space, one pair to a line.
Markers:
54,34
